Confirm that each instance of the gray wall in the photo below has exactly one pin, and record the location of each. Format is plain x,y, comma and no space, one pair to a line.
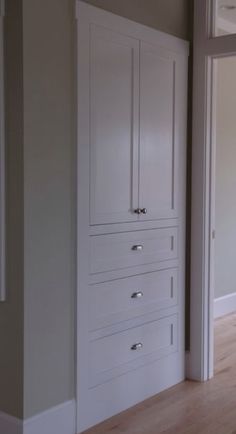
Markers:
166,15
11,312
47,154
49,185
225,253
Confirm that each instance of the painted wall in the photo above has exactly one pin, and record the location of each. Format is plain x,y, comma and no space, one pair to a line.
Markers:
41,249
11,312
49,209
225,258
166,15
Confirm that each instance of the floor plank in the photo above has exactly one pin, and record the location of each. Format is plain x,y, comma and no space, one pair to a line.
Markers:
189,408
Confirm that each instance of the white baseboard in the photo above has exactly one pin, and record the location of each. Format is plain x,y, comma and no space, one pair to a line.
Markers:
225,305
10,424
56,420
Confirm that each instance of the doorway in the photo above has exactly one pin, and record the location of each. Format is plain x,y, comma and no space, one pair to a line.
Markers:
215,50
224,97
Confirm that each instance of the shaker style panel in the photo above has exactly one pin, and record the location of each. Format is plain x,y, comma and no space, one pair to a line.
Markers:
121,352
158,183
127,298
114,104
129,249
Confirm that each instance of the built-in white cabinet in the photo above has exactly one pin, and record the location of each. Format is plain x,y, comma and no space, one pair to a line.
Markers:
133,129
132,104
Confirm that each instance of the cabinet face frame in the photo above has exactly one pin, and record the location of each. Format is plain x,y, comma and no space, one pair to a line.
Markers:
85,15
206,50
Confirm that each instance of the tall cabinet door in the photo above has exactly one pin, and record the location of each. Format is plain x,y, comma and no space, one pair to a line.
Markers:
114,105
158,183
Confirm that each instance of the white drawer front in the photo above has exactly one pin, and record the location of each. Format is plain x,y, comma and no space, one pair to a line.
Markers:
124,299
117,251
119,353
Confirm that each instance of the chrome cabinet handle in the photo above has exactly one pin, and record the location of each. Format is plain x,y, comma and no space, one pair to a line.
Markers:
144,211
137,248
138,294
136,347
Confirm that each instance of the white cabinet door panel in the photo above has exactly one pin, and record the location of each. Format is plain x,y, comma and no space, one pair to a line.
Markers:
158,171
114,102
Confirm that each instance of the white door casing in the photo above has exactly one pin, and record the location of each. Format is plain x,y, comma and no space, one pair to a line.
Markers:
3,294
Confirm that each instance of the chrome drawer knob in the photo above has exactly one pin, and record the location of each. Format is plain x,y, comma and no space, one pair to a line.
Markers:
138,294
140,211
136,347
137,248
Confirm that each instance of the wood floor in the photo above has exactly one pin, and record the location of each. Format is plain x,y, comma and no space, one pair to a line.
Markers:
189,408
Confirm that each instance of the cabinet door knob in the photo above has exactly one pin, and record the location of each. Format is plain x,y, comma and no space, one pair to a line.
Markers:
137,248
137,346
144,211
138,211
138,294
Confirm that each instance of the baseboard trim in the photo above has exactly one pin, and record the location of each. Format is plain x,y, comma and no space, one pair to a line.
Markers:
59,420
224,305
10,424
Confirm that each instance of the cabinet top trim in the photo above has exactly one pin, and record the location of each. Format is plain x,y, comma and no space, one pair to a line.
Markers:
86,12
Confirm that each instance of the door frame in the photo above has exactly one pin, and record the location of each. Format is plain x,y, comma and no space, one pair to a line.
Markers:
206,49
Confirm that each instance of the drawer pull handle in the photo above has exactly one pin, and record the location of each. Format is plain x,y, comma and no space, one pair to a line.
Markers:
136,347
140,211
137,248
137,294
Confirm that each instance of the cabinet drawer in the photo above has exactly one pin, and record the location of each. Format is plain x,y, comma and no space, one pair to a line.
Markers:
119,353
124,299
116,251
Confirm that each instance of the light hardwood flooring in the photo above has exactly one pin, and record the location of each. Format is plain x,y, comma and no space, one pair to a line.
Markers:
189,408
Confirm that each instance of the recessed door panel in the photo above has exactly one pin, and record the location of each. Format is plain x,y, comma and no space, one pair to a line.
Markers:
157,133
114,77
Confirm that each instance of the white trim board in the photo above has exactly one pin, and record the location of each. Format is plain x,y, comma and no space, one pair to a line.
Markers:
58,420
224,305
2,158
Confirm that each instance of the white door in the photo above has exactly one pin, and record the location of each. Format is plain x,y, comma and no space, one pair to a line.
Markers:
114,105
159,147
